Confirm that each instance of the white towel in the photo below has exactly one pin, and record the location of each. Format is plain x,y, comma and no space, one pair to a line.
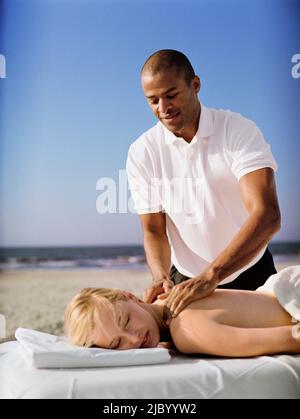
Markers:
286,286
42,350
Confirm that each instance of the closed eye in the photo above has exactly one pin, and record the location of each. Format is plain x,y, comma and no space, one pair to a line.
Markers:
125,326
171,96
120,340
155,101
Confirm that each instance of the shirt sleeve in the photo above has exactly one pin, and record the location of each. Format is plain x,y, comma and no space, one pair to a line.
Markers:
248,150
144,187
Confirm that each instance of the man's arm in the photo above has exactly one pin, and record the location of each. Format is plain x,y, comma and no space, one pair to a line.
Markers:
258,193
158,253
156,244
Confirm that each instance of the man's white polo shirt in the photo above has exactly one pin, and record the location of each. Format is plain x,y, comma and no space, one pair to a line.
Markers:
197,184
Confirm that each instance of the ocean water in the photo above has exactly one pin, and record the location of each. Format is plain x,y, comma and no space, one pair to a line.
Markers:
68,258
103,257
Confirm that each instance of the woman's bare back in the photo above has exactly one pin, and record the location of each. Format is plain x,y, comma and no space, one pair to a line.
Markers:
234,323
240,308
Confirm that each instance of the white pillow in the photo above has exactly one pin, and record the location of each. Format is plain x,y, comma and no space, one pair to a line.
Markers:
43,350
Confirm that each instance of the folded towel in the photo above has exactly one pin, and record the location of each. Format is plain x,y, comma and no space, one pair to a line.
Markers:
42,350
286,286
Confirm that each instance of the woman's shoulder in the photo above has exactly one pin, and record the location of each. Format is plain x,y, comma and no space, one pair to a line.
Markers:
189,328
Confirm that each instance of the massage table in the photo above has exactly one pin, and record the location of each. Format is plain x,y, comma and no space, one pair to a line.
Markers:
23,372
183,377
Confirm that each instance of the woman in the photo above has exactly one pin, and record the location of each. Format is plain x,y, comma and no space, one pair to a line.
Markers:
232,323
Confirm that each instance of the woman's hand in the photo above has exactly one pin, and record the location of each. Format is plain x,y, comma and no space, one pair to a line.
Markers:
188,291
159,286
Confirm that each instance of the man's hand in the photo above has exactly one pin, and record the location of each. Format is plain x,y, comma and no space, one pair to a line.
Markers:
158,286
193,289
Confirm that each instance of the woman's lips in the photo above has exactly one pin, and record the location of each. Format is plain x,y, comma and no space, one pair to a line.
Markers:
146,340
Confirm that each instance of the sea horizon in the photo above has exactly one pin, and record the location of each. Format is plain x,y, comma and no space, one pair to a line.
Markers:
103,256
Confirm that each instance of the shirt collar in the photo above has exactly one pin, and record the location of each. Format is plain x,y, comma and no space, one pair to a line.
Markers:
205,128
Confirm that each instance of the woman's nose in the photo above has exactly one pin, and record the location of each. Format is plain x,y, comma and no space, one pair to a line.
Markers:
134,339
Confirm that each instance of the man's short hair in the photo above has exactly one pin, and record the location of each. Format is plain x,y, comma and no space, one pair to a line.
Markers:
165,59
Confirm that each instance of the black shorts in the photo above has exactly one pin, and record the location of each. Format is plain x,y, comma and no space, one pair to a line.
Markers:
250,279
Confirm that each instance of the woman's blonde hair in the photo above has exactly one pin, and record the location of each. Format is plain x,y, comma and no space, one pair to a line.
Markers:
81,312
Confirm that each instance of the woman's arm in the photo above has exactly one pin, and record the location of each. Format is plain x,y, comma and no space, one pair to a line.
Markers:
217,339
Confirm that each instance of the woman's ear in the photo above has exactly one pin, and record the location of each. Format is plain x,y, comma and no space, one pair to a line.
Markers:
132,297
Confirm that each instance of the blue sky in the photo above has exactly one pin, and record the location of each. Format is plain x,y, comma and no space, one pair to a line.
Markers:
71,102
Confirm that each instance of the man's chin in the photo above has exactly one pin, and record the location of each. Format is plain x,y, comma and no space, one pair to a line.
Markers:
175,129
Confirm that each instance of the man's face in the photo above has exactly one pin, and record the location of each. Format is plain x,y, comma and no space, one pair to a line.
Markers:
171,99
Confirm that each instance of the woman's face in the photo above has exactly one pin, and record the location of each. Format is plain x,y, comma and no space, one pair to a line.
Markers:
131,327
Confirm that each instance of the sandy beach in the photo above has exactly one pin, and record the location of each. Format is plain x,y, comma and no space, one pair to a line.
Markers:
37,299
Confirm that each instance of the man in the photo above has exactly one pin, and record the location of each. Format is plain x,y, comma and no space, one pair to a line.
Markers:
218,165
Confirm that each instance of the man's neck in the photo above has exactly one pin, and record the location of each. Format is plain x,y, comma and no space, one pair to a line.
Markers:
189,132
